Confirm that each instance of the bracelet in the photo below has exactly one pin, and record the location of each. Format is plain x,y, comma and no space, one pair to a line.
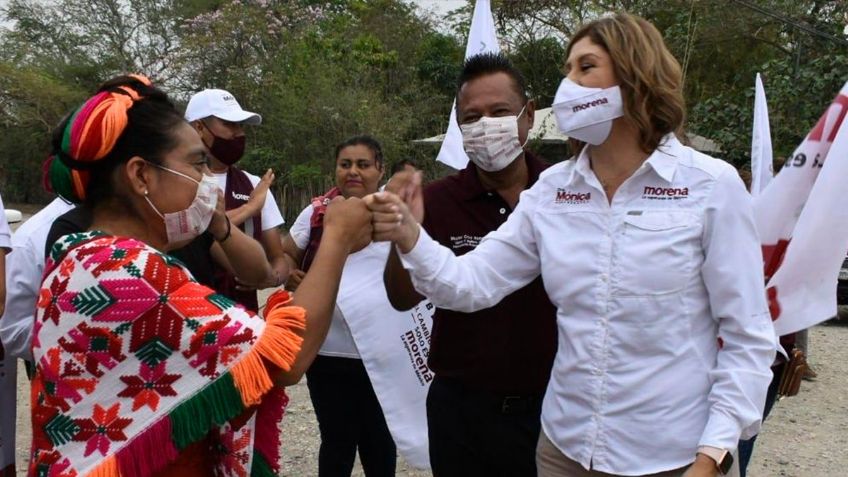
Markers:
229,231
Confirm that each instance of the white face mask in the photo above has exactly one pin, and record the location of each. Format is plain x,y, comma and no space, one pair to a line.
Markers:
188,223
492,143
586,114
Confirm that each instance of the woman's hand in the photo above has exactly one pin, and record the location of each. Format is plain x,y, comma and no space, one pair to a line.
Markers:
349,222
393,220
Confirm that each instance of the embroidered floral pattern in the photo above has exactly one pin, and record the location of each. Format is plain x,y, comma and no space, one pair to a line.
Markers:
123,335
148,386
101,429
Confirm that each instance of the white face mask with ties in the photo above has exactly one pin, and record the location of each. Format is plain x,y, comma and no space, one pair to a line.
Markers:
586,114
492,143
186,224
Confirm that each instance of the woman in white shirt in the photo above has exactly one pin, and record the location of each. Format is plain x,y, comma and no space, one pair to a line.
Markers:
647,248
349,415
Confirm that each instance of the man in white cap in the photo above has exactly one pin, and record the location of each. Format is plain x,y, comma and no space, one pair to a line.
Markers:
220,120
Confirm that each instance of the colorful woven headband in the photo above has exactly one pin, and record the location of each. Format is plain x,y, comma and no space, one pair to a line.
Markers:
96,126
65,182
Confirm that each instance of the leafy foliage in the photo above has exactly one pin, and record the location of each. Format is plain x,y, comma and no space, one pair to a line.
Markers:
321,70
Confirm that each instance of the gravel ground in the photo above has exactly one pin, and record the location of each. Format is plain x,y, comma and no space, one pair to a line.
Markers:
805,436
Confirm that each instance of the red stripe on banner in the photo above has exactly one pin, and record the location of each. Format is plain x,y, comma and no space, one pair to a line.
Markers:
817,132
773,302
773,256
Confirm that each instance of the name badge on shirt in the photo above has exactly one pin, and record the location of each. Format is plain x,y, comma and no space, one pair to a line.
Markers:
570,197
464,241
665,193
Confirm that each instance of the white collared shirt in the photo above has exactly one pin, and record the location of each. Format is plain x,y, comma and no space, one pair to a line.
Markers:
643,288
24,269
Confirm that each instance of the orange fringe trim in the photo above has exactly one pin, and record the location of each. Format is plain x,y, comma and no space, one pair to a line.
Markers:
106,468
279,344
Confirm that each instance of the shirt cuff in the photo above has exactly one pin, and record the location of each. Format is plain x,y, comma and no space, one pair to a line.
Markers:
421,259
722,432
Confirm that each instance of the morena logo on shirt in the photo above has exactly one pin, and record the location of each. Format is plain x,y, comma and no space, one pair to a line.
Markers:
564,196
238,196
665,193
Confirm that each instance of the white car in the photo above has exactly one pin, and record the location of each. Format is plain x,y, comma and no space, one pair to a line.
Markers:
842,285
13,216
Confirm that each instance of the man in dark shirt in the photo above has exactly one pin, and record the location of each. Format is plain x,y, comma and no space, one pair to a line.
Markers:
492,366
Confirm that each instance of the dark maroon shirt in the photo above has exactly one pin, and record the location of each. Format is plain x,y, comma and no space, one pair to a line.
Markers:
506,349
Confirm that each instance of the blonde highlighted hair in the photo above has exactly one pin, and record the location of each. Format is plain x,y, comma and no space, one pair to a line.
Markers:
650,77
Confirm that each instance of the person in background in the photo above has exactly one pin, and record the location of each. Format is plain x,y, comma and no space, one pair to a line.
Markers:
349,414
24,270
220,120
140,370
648,249
492,365
8,367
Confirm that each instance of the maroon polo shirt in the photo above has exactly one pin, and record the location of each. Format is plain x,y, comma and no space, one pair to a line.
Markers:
509,348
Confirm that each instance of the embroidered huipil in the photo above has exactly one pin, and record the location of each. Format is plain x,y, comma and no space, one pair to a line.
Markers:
644,286
139,367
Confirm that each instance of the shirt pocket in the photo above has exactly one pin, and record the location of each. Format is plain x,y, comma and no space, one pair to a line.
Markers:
656,253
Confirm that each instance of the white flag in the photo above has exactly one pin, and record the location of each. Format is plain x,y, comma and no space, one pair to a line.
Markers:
761,151
481,39
802,218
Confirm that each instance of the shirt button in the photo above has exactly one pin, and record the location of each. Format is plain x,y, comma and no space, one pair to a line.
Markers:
489,194
604,278
503,211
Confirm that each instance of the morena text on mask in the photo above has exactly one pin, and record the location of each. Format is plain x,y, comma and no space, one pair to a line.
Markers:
590,104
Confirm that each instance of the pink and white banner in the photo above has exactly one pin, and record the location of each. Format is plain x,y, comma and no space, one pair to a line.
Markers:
802,217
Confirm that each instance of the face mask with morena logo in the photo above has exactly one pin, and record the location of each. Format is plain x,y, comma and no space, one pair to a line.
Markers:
586,114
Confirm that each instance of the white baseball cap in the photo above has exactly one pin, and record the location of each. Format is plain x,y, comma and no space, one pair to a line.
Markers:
222,105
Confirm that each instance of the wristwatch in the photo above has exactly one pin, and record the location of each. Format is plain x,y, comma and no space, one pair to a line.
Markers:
722,457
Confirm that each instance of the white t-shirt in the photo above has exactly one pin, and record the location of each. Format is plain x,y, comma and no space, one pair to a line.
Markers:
339,342
271,216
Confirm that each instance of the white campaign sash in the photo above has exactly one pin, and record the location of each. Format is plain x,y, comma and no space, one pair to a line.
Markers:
802,219
393,346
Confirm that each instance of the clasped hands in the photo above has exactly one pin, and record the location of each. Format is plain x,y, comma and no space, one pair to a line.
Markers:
392,215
